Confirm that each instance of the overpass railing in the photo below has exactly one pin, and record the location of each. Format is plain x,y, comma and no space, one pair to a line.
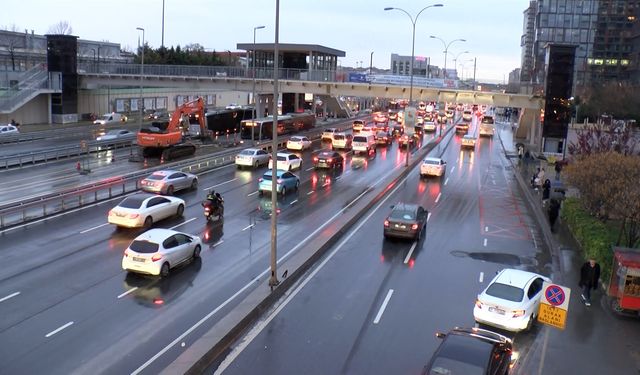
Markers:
208,71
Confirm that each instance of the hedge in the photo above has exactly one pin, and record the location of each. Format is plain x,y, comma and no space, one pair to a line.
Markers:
594,237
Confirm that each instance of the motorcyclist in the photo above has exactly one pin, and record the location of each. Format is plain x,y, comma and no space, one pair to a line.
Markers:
215,200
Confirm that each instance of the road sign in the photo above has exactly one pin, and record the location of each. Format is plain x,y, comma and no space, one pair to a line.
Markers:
554,305
410,120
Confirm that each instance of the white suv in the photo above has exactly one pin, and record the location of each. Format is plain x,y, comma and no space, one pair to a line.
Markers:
327,134
286,161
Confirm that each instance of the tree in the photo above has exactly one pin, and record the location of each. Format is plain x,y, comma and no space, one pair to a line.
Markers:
621,100
609,189
61,28
599,138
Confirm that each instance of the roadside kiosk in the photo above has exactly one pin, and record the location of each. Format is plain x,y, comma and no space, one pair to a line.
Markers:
624,286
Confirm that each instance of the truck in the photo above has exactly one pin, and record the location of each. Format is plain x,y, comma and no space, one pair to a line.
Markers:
170,139
110,118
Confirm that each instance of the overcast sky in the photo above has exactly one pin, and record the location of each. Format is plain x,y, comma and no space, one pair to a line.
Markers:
492,28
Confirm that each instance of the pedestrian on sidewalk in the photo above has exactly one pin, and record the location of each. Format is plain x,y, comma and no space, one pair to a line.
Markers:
558,169
546,191
589,276
554,212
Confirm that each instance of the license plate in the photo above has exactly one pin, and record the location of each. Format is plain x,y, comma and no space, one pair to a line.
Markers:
136,259
321,161
496,310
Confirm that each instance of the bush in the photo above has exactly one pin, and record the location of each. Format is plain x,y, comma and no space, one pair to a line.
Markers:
594,237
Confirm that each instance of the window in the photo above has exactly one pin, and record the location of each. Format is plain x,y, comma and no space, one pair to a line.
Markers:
535,288
170,242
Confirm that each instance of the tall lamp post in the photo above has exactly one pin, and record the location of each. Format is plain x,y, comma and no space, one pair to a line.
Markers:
141,77
371,64
455,60
446,48
413,44
273,280
253,75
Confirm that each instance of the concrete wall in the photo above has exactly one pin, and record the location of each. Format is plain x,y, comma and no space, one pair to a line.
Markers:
34,112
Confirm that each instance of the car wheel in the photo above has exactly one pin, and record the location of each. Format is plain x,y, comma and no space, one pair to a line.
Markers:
256,164
180,210
194,184
196,252
170,190
164,270
297,185
289,169
529,323
148,222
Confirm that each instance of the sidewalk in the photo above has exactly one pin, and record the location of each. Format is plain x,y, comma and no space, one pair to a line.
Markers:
595,340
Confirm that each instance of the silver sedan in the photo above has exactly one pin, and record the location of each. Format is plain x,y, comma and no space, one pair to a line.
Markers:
168,181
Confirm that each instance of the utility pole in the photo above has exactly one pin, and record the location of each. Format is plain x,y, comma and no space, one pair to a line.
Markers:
162,42
371,64
273,280
474,73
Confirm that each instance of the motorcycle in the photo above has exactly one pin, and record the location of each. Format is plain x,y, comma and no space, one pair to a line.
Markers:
211,212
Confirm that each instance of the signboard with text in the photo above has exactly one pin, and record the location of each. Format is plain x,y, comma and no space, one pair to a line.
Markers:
554,305
409,120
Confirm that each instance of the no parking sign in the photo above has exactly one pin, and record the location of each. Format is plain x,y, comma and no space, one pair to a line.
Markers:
554,305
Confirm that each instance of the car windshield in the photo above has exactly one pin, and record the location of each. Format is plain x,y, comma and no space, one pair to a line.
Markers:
359,139
402,214
132,202
506,292
432,162
282,158
144,247
487,120
296,139
450,366
246,152
156,177
338,137
113,132
267,177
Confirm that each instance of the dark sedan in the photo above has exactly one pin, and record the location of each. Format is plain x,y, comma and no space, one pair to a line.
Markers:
327,159
471,351
406,221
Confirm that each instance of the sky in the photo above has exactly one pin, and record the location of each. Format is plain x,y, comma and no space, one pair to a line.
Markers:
492,28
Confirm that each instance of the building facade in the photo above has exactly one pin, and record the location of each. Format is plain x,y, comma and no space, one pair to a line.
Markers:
401,66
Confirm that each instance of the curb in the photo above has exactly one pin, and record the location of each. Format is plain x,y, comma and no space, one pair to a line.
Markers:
262,300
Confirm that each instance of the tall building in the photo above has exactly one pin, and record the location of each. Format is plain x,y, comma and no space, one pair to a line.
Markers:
401,65
602,30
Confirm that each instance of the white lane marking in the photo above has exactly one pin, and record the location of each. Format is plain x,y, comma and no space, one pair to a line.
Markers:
383,307
254,193
428,216
408,257
58,330
220,184
481,277
454,168
438,197
535,243
446,181
248,226
293,202
486,229
217,243
96,227
326,184
308,169
183,223
260,326
485,242
311,192
9,296
127,292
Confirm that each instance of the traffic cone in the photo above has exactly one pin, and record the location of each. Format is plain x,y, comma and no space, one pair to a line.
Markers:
78,166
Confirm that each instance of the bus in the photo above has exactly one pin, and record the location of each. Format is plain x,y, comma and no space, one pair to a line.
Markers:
287,124
227,121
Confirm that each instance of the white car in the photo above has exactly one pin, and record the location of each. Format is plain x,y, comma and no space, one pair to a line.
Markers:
327,134
144,209
169,181
157,250
432,167
511,300
252,157
117,134
430,126
468,141
358,125
299,143
8,130
286,161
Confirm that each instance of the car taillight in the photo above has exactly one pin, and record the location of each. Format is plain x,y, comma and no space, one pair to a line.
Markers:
414,227
315,158
126,253
279,181
158,301
518,313
260,179
329,160
111,213
133,216
386,223
156,257
478,304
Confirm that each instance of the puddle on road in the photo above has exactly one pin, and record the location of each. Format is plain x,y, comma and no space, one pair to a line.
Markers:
500,258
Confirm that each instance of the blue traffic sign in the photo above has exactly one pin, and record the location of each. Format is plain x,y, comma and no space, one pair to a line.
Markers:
554,295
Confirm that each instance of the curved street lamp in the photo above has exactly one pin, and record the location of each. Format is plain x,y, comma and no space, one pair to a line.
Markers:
446,48
455,60
413,44
253,75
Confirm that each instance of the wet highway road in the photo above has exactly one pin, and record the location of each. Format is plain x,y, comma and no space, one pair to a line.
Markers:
68,307
373,306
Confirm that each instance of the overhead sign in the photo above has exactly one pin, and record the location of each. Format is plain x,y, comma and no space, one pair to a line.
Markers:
410,120
554,305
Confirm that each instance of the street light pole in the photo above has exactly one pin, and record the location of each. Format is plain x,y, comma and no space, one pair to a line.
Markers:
371,63
446,48
455,60
413,43
273,280
141,78
253,74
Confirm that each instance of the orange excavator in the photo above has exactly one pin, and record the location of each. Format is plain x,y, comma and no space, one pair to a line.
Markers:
169,139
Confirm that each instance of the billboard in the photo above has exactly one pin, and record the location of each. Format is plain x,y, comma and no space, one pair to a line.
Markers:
358,77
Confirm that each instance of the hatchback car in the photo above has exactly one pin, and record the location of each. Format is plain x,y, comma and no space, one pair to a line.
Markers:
406,221
511,300
8,130
471,351
327,159
143,209
299,143
168,182
117,135
342,141
286,161
157,250
286,181
432,167
327,134
252,157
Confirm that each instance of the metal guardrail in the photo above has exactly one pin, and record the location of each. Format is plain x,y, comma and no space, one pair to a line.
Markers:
17,213
45,134
44,156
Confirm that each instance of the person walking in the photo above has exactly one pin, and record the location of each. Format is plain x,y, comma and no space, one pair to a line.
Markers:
589,276
558,169
554,212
